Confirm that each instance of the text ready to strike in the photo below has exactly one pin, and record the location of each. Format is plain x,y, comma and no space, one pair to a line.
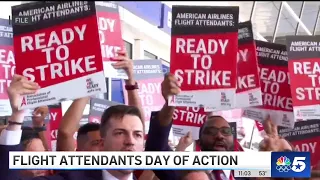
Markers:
304,71
248,83
187,119
275,85
47,52
7,66
109,25
204,59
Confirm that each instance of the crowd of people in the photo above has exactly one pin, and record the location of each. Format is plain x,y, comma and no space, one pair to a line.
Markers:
121,129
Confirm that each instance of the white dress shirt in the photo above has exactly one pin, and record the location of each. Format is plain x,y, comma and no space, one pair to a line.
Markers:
10,138
13,138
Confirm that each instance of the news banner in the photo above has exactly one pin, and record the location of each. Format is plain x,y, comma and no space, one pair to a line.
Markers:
244,164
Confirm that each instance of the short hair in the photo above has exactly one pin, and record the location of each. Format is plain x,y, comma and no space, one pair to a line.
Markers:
28,134
118,112
88,127
185,173
208,117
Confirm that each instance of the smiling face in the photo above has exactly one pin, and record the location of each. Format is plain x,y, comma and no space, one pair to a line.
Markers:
216,135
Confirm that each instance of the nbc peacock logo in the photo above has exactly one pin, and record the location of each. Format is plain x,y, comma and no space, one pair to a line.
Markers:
283,164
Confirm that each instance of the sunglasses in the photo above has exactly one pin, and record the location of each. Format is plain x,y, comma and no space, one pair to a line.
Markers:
213,131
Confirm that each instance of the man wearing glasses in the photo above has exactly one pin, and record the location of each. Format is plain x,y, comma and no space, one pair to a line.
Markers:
214,135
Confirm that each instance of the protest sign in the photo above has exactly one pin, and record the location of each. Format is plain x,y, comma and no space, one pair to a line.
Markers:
259,126
97,107
50,50
305,137
248,82
275,86
28,114
187,119
204,44
84,120
149,76
109,25
55,119
304,71
7,65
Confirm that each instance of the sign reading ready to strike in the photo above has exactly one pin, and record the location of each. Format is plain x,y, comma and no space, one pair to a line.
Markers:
109,25
275,85
304,69
7,65
47,51
204,46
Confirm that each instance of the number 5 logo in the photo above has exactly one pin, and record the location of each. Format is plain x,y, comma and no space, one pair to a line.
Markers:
298,164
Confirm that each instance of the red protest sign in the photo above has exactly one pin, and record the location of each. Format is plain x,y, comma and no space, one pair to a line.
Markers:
304,69
305,138
275,85
109,25
49,51
7,66
248,82
149,76
204,55
259,126
55,119
187,119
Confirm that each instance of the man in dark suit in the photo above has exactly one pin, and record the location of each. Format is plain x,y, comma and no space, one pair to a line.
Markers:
121,129
215,134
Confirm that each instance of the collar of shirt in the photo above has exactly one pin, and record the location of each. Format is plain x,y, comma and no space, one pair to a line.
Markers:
107,176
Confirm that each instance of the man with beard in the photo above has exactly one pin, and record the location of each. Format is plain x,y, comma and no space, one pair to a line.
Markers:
215,134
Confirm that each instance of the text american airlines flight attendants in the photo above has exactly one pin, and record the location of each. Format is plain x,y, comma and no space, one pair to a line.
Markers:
56,49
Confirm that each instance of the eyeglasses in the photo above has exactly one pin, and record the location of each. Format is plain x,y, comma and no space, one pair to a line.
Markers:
213,131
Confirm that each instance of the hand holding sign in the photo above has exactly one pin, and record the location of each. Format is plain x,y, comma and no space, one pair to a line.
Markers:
124,63
184,142
170,86
18,87
273,142
39,115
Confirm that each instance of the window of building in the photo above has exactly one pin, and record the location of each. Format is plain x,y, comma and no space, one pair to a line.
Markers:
128,49
148,55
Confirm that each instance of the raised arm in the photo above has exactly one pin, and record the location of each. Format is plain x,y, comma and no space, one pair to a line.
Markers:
127,64
161,122
160,125
70,125
39,115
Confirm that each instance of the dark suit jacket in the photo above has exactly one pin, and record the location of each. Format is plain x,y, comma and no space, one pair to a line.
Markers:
7,174
158,141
